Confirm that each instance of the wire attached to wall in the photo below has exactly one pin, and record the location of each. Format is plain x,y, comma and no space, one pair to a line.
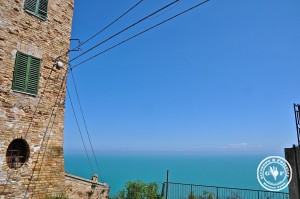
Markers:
109,25
45,133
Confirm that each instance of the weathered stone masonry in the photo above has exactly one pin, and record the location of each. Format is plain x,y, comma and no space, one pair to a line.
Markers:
42,173
24,32
77,187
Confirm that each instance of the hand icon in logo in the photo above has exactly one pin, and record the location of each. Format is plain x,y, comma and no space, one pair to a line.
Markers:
274,172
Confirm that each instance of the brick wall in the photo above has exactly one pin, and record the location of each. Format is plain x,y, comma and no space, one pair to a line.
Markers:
24,32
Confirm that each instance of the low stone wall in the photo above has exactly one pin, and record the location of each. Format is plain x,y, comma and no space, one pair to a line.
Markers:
81,188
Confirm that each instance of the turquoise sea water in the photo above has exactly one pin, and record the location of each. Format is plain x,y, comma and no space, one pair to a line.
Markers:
238,171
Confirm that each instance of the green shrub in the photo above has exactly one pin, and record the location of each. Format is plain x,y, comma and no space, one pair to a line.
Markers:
139,190
206,195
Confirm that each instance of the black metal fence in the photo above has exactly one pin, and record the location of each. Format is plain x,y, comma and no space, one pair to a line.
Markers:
173,190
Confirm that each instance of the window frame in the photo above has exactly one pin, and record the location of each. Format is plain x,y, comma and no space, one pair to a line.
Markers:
27,74
36,12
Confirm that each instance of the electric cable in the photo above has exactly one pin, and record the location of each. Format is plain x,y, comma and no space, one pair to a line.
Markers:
167,10
43,139
110,24
47,140
44,154
140,33
146,30
39,102
30,123
79,130
128,27
84,121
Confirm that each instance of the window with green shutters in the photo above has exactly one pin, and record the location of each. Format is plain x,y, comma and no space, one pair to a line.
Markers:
26,74
37,7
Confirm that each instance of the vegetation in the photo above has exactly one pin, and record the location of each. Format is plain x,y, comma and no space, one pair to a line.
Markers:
139,190
206,195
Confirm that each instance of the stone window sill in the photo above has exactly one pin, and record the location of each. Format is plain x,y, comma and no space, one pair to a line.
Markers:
34,14
23,92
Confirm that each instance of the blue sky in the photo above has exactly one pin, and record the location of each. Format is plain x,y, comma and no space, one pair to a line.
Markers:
221,78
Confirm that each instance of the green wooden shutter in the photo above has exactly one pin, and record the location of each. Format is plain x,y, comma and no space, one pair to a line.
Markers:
26,74
33,75
42,9
19,82
31,5
37,7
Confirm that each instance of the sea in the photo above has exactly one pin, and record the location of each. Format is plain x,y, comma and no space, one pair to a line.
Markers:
226,170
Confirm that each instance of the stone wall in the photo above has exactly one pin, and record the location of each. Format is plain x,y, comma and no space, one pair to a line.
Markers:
43,172
79,188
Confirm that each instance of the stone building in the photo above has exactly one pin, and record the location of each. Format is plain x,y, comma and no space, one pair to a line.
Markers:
34,38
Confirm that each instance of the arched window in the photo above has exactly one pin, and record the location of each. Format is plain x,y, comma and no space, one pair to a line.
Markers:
17,153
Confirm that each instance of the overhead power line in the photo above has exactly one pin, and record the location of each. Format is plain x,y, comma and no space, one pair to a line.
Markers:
167,10
84,121
73,109
110,24
93,36
128,27
140,33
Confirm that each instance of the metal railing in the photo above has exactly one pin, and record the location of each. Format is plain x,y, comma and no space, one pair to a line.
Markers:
173,190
